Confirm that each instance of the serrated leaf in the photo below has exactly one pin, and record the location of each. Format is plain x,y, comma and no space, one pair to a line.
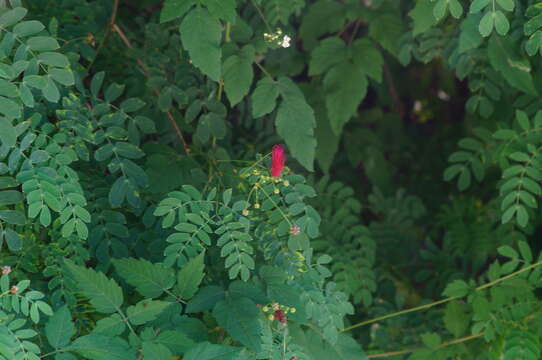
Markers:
174,9
240,318
345,86
60,328
104,294
208,351
264,97
201,34
150,280
145,311
100,347
238,74
457,288
190,277
295,123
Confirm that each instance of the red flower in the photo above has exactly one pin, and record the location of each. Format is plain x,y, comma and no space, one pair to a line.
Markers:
278,159
280,316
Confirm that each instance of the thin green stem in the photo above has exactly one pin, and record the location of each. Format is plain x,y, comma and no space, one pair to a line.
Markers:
448,299
263,69
262,16
443,345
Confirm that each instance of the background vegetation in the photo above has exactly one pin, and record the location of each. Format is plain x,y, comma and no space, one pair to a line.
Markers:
139,218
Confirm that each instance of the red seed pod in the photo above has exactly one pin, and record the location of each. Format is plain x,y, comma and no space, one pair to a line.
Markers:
280,316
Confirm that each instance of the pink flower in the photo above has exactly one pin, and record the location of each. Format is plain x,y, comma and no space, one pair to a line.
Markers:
295,230
278,159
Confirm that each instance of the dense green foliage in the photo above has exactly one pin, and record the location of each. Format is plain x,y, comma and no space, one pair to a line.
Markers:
139,218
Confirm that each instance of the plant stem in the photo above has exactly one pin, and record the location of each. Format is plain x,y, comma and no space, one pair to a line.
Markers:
443,345
430,305
145,71
110,25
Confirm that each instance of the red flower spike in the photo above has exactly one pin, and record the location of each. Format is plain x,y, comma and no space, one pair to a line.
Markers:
278,159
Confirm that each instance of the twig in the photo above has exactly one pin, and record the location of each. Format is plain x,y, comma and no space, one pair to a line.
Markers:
145,71
442,301
110,25
393,91
443,345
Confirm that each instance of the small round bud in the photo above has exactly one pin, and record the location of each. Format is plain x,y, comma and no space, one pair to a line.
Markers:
271,317
256,206
265,308
6,270
276,191
286,183
275,306
245,212
293,310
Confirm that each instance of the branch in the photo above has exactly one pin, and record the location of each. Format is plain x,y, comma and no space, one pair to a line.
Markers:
110,25
443,345
145,71
430,305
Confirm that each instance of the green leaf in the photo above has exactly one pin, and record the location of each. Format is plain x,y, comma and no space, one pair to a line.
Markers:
145,311
422,15
208,351
201,34
507,5
516,70
205,299
50,91
431,340
150,280
264,98
100,347
240,318
457,288
60,328
104,294
330,52
477,5
54,59
153,351
456,9
174,9
12,16
327,141
9,108
13,217
526,252
42,43
456,319
295,123
62,76
190,277
238,74
368,58
439,11
486,24
27,28
345,86
10,197
8,136
508,251
222,9
501,23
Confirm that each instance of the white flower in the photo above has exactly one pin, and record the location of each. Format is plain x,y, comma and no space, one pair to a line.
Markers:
285,41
